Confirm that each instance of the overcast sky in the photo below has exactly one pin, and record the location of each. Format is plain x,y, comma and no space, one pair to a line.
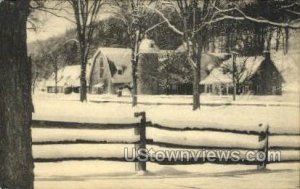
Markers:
50,26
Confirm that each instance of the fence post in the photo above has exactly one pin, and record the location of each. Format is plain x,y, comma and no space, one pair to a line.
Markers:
140,146
264,136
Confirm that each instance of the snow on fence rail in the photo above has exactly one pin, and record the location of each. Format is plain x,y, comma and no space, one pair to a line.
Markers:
82,142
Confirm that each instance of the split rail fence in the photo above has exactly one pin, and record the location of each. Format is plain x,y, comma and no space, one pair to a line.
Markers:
140,129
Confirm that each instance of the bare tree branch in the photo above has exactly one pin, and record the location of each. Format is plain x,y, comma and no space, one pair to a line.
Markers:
265,21
155,26
290,5
171,26
293,12
55,14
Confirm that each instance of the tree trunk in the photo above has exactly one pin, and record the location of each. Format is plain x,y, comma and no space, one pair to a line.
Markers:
134,83
196,91
197,71
55,72
234,69
286,43
134,62
83,84
16,161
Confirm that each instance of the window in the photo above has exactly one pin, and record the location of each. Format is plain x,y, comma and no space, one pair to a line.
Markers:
120,72
101,69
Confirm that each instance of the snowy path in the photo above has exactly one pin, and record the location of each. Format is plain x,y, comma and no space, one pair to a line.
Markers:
114,175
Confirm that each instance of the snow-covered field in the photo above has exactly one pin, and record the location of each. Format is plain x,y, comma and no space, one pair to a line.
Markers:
291,99
114,175
106,174
281,119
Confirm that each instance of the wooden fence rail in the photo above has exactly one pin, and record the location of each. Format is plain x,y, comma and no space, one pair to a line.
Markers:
142,142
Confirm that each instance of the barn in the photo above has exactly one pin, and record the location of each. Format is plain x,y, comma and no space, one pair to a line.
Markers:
111,69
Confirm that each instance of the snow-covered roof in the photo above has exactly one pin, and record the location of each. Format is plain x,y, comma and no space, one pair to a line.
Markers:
208,61
288,65
118,58
148,46
183,48
68,76
217,76
250,64
65,76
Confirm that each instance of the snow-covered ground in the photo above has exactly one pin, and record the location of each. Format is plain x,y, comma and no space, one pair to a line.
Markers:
241,118
281,119
115,175
106,174
290,99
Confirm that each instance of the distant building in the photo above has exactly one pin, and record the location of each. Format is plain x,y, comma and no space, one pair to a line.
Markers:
254,75
178,77
111,69
68,80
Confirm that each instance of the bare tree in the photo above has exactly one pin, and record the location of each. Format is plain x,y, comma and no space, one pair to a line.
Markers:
197,17
85,13
240,72
16,161
192,14
138,18
51,57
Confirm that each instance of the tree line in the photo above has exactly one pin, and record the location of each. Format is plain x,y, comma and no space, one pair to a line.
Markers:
245,25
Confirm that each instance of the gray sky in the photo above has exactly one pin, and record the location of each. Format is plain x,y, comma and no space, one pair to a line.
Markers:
50,26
